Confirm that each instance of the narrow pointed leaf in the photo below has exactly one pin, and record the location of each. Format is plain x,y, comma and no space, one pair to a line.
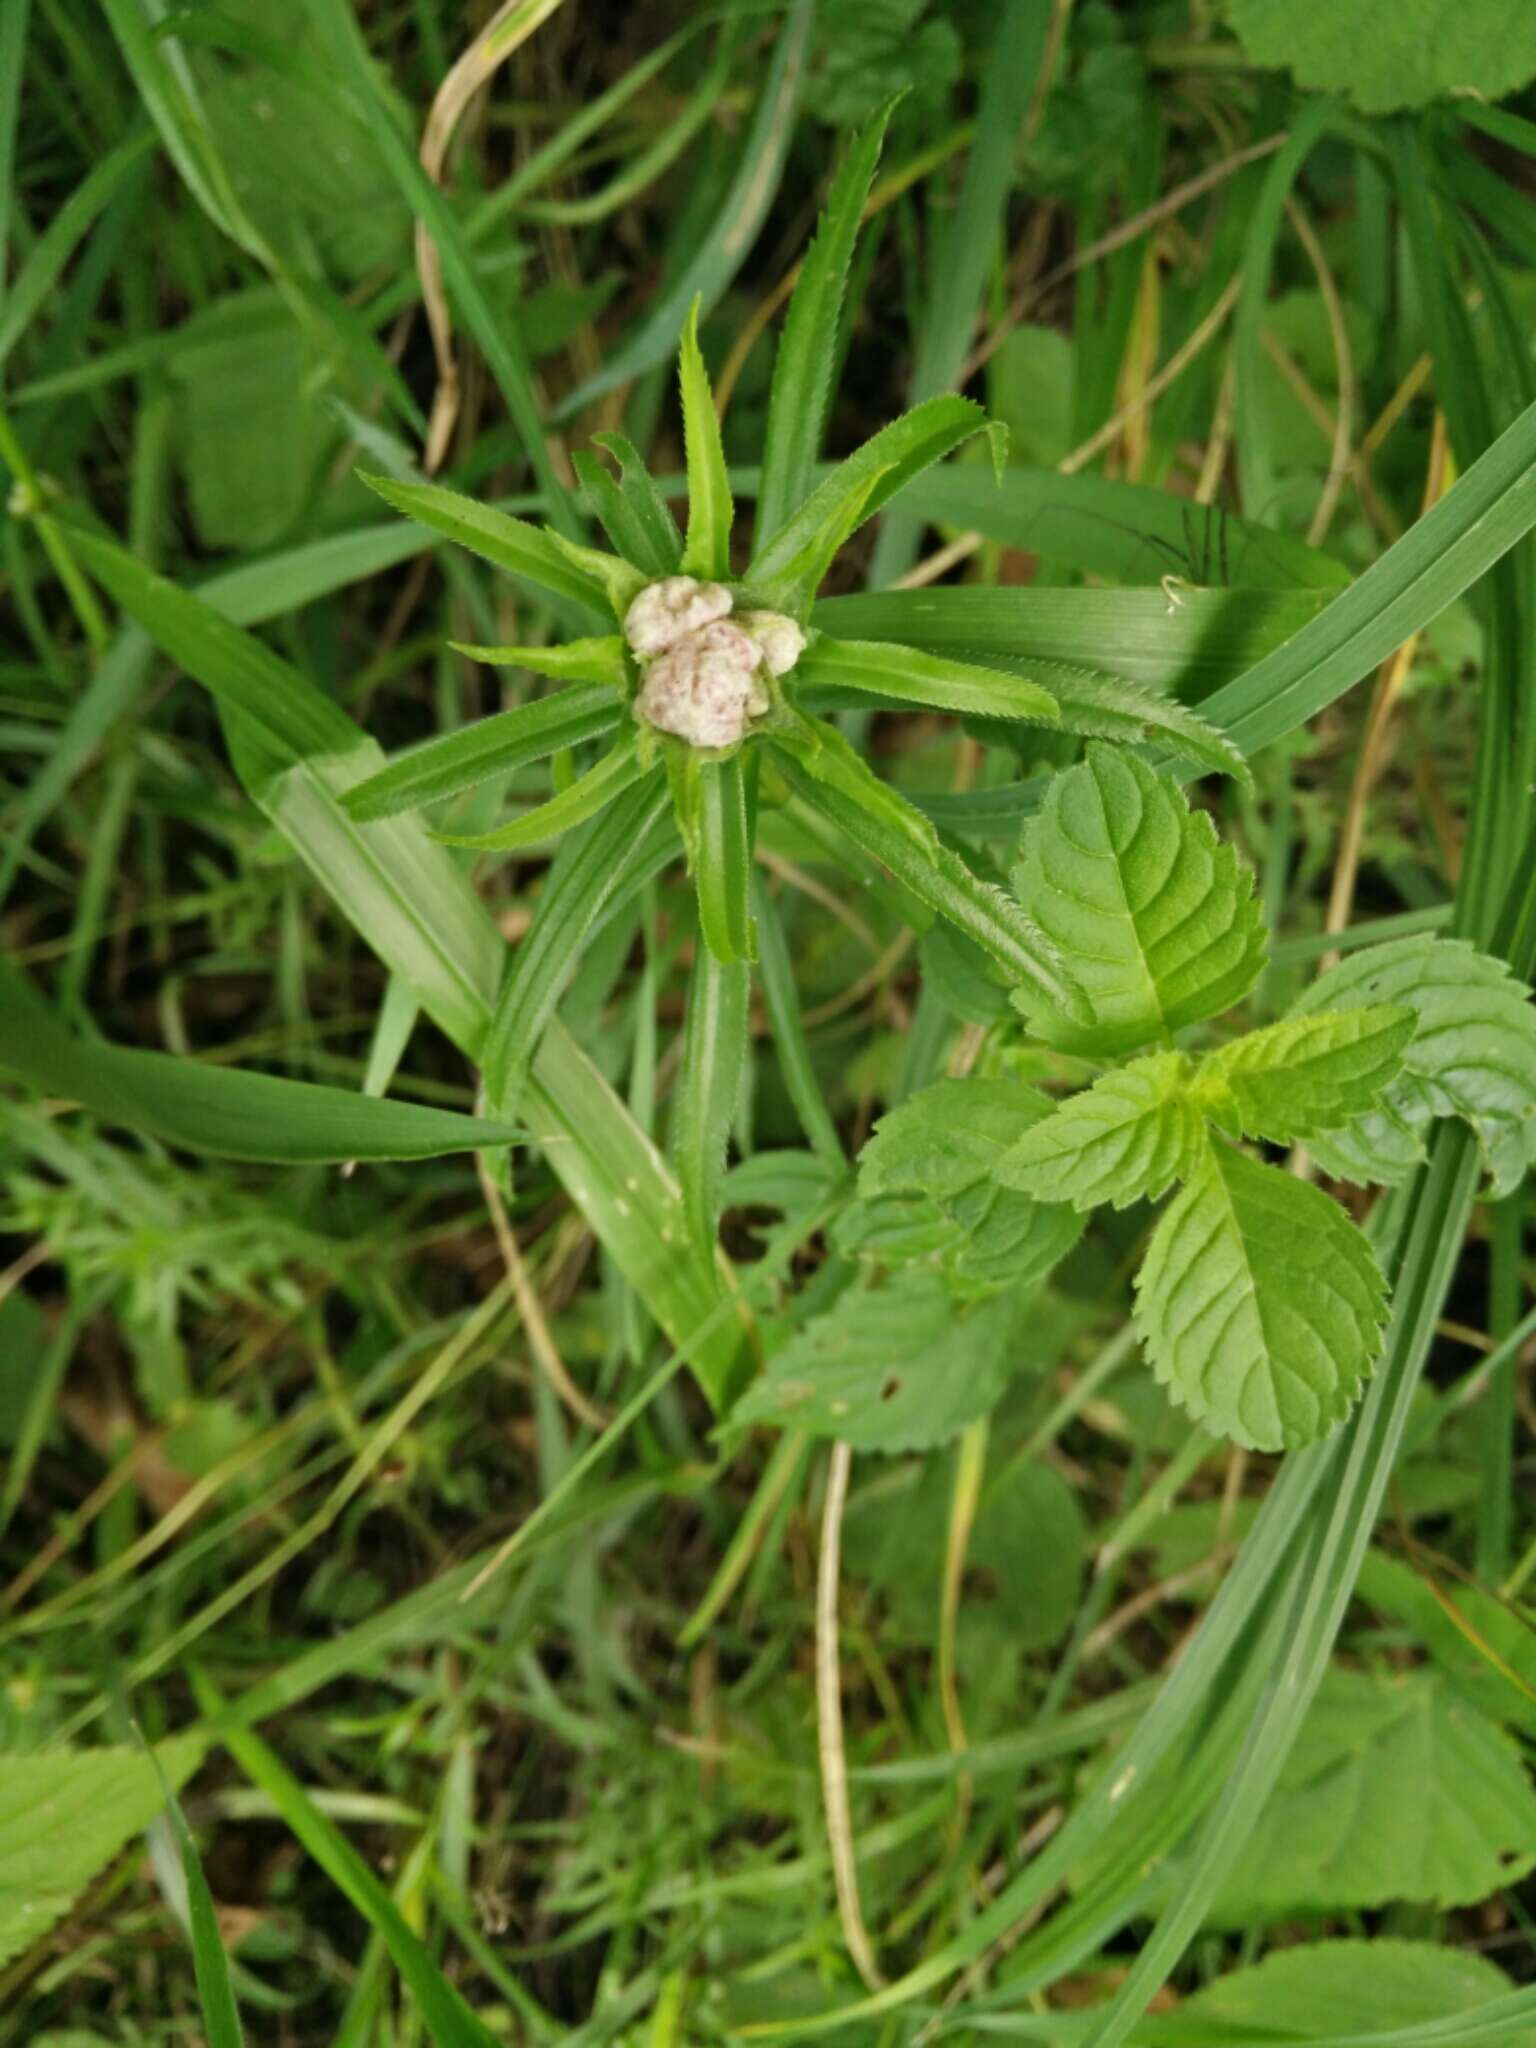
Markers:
621,580
714,1050
634,514
1102,706
802,368
508,543
578,661
1260,1304
1472,1055
1127,1138
491,746
912,677
781,999
1304,1074
723,865
614,856
707,549
939,878
894,457
220,1110
587,795
1156,916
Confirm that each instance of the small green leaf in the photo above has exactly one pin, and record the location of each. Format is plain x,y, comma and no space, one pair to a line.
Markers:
1304,1074
1155,915
1472,1055
912,677
714,1050
898,1367
1107,707
511,544
633,513
587,795
593,873
1260,1304
577,661
1125,1139
947,1145
1323,1990
811,535
491,746
802,368
707,550
722,870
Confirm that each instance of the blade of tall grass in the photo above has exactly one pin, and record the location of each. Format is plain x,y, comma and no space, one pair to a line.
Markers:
714,1048
448,2019
37,278
13,43
722,251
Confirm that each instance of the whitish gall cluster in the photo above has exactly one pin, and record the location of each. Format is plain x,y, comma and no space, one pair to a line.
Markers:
705,672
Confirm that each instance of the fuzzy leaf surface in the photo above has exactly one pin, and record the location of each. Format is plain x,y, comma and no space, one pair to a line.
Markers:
1304,1074
1260,1304
1155,916
1125,1139
1472,1055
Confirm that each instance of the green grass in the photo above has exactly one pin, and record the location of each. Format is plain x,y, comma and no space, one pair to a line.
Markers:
449,1522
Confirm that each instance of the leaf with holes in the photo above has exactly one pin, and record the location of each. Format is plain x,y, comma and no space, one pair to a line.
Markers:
897,1367
1472,1055
1133,888
1260,1304
1125,1139
1304,1074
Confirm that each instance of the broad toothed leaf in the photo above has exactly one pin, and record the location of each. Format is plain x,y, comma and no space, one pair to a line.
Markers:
1304,1074
632,512
707,549
805,543
577,661
511,544
912,677
1156,916
587,795
491,746
1125,1139
898,1367
1472,1055
1260,1304
945,1146
802,368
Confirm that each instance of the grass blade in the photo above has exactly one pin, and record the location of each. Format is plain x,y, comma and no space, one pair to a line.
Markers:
510,544
714,1051
447,2018
887,669
587,795
723,866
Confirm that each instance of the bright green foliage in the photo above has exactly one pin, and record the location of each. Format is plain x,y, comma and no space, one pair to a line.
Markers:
220,1110
911,676
1322,1990
713,1050
802,367
1110,708
1404,55
510,544
632,512
1472,1055
1157,918
1304,1074
63,1816
898,1367
1127,1138
707,547
1339,1834
931,1182
579,661
459,760
618,770
1260,1304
